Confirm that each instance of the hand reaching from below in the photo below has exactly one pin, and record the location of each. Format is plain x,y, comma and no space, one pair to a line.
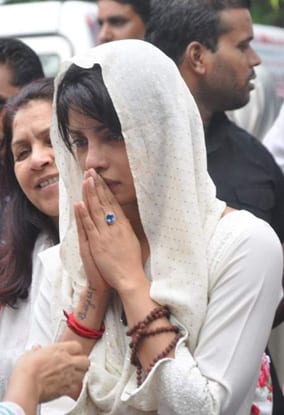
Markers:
44,374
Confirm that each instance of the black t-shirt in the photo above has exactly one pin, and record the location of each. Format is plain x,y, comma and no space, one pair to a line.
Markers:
244,172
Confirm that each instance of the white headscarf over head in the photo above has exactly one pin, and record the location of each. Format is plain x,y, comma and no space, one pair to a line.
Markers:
164,140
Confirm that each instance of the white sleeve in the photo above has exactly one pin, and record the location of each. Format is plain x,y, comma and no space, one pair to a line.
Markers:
40,331
10,408
219,378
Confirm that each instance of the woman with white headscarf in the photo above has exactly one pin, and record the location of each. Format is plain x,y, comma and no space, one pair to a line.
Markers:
174,293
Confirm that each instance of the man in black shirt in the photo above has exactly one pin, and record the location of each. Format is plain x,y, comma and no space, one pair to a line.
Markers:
209,40
210,43
246,175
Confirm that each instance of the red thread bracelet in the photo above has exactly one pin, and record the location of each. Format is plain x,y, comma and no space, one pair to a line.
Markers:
83,331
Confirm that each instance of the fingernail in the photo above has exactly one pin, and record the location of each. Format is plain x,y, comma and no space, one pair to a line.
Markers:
93,173
91,181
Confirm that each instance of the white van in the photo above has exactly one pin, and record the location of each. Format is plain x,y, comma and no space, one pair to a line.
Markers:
269,44
56,30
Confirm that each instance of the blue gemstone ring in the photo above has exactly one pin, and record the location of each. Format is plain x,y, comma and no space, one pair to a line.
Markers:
110,218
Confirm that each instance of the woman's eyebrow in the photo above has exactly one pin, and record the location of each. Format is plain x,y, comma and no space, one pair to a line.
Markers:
20,140
96,129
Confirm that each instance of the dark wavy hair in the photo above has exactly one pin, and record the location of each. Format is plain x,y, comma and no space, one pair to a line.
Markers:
176,23
22,221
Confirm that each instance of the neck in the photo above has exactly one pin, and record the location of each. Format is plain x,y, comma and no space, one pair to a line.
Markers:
205,114
194,85
55,220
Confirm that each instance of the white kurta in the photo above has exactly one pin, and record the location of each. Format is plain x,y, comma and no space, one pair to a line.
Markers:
15,323
219,377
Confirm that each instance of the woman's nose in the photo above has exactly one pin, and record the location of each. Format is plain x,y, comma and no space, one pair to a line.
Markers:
95,158
42,157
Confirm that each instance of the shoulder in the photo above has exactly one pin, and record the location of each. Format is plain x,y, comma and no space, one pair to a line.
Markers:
242,227
252,149
242,240
50,261
242,141
248,139
43,242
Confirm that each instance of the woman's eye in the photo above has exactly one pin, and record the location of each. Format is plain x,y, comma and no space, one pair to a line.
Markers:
48,142
21,155
79,142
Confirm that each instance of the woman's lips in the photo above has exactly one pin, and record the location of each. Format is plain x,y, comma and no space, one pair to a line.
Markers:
111,183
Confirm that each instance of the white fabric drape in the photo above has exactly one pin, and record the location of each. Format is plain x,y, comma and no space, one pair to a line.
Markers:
165,147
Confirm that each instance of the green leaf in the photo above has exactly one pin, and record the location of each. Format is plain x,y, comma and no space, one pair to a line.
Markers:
274,4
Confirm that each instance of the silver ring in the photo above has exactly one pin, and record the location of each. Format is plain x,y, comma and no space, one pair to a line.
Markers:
110,218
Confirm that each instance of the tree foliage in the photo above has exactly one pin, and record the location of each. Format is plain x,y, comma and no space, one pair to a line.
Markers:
268,12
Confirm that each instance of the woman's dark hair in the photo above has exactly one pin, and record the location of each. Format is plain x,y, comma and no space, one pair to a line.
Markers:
83,90
22,221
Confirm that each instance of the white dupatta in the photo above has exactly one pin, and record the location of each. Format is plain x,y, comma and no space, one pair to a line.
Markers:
164,139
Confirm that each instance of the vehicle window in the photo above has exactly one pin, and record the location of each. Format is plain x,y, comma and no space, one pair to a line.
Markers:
50,63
